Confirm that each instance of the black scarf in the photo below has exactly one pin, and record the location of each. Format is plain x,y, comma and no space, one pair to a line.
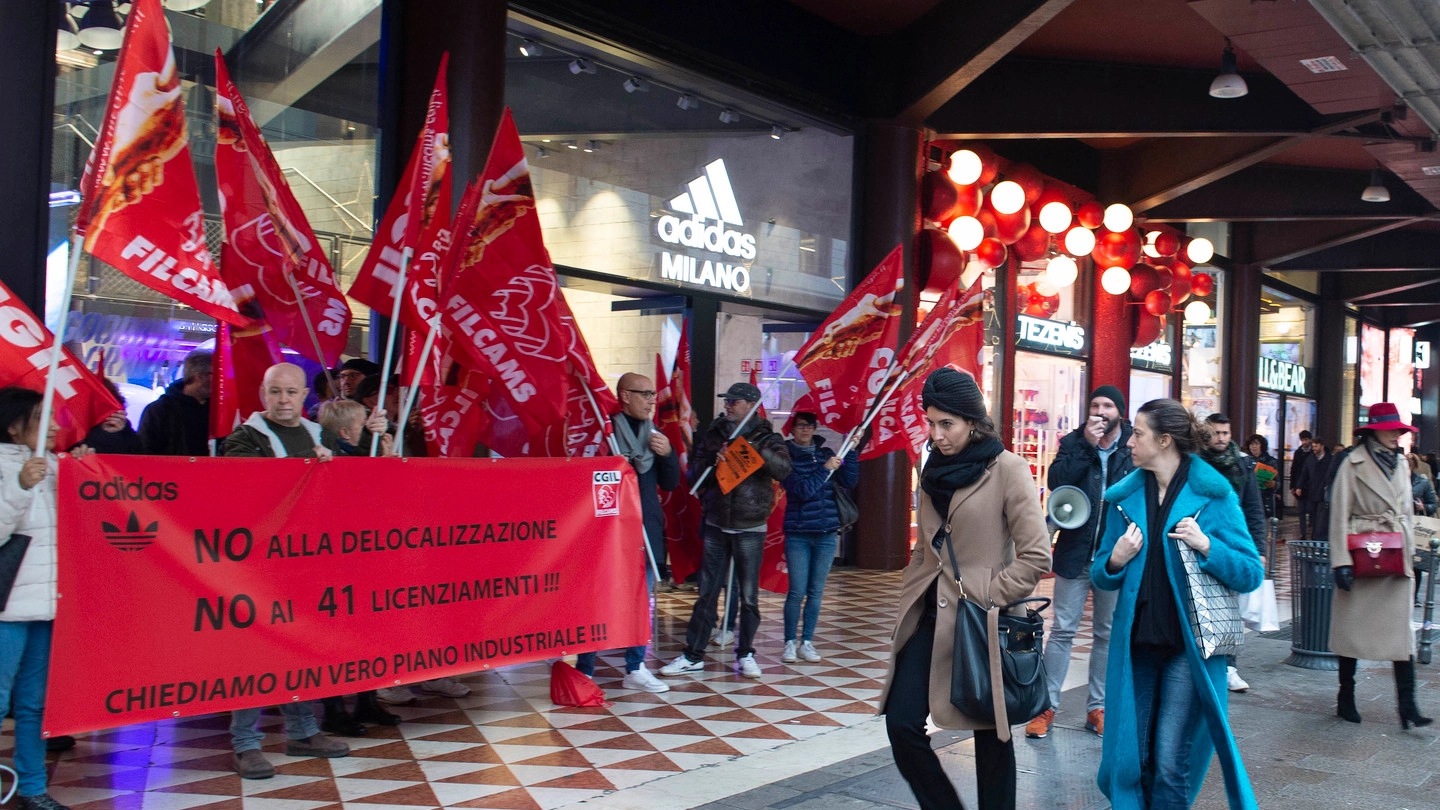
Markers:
1157,617
1227,463
945,474
1387,459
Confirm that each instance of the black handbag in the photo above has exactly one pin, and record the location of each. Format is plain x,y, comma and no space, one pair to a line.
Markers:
845,506
11,555
993,645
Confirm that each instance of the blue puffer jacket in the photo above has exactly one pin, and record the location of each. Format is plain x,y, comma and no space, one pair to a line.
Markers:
809,498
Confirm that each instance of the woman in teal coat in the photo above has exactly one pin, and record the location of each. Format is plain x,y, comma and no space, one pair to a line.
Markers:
1164,704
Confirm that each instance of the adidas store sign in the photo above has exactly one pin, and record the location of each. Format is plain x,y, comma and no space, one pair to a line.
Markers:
710,202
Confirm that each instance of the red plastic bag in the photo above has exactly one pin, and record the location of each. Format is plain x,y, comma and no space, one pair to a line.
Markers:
568,687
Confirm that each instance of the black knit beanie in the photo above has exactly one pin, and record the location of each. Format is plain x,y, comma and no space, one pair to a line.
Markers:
954,392
1114,396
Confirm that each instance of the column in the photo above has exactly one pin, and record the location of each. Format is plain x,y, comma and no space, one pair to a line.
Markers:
1240,363
1328,337
27,95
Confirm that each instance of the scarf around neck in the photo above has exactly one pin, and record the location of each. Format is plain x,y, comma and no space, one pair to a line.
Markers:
1227,463
1387,459
634,445
945,474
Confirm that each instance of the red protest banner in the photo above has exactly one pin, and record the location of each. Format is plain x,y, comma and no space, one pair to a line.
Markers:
675,417
141,210
265,596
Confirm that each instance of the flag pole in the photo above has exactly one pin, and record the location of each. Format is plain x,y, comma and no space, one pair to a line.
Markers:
390,339
879,406
615,450
414,388
743,422
310,328
47,400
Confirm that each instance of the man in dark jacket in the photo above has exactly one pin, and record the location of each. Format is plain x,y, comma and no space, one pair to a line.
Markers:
734,526
1091,457
1310,488
657,467
1239,469
178,423
1298,462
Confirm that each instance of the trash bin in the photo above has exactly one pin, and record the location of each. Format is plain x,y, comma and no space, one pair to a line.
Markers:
1311,587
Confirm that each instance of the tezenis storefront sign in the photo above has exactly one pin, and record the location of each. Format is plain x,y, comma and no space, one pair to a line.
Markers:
1287,378
1056,337
710,203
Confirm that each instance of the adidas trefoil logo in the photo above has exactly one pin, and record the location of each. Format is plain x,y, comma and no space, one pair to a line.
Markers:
132,537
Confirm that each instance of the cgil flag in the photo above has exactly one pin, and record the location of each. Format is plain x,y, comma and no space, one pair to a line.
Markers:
847,361
81,400
271,256
952,335
141,207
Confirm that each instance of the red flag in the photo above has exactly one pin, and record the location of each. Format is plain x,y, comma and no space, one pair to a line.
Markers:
416,223
224,407
241,358
268,241
755,381
952,335
141,210
774,572
587,420
847,359
676,420
500,302
81,400
453,415
805,404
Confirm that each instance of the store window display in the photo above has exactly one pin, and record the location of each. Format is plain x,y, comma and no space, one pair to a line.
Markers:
1050,369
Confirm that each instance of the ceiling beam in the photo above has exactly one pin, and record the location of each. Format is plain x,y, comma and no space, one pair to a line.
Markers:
1289,193
1277,245
1404,249
1377,289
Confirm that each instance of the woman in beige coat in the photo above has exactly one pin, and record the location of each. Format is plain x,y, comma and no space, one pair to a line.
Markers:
992,519
1371,615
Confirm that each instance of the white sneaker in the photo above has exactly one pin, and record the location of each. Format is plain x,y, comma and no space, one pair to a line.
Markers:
395,695
449,687
1235,682
748,667
681,665
724,638
807,651
789,655
642,680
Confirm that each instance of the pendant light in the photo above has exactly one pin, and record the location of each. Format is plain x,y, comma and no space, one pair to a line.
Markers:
101,27
1376,191
1229,84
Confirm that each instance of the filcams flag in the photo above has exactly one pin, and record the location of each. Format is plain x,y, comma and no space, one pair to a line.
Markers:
271,256
416,223
847,360
952,335
587,417
140,209
81,400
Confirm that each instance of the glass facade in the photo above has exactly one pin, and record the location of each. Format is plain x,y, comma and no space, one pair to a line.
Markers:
1050,369
1200,355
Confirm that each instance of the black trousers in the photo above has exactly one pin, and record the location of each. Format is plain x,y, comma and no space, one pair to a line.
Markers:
905,713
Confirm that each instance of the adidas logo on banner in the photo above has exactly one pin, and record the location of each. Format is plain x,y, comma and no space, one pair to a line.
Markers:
710,203
131,537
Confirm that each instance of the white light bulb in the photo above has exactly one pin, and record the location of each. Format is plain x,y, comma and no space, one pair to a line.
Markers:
1061,271
1200,250
1118,218
1079,241
1007,197
1197,311
965,167
966,232
1115,281
1055,217
1149,246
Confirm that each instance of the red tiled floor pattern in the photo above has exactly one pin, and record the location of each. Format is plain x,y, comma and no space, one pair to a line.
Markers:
506,746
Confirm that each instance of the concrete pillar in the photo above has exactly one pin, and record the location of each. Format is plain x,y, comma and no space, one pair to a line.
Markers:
27,95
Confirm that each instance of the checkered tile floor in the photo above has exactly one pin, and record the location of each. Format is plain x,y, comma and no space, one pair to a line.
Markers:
505,745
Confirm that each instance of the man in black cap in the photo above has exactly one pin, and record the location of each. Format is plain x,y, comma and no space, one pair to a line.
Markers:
1092,457
350,373
734,527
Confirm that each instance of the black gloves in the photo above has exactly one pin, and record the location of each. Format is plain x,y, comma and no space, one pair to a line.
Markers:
1344,577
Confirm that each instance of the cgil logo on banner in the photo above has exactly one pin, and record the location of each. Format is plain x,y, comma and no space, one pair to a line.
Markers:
606,487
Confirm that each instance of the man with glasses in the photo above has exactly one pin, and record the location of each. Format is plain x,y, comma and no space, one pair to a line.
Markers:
734,527
350,374
657,467
178,423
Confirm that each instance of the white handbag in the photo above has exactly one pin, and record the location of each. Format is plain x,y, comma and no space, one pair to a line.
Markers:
1213,609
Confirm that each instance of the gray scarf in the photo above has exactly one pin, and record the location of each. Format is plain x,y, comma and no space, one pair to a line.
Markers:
634,447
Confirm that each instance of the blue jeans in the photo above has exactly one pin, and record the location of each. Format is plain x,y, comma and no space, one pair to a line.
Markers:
1069,606
634,656
24,665
300,724
1167,716
808,558
746,548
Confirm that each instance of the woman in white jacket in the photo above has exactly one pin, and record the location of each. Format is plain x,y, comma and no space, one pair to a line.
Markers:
27,507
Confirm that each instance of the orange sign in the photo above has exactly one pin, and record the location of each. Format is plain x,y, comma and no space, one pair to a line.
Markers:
738,462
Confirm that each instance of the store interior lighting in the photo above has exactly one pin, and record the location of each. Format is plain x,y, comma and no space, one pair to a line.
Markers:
777,132
687,102
1200,250
1229,84
67,38
1118,217
578,66
541,153
729,116
1197,312
637,84
591,146
185,5
101,27
1376,191
1061,271
1115,280
965,167
530,48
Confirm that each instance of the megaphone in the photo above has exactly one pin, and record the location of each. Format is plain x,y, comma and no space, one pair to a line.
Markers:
1068,507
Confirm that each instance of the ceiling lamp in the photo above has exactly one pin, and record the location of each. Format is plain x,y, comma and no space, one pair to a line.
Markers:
185,5
1055,217
1078,241
578,66
1061,271
1007,197
570,144
1116,281
729,116
687,102
966,232
530,48
636,84
1199,251
101,27
541,152
67,38
1197,311
965,167
1228,84
1118,218
591,146
1376,191
777,132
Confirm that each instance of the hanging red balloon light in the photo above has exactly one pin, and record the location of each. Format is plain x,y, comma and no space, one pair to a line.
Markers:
1181,281
987,220
1091,215
938,261
941,197
1029,179
1202,284
1010,227
1167,244
1157,302
1148,329
1117,249
990,253
1143,281
1033,244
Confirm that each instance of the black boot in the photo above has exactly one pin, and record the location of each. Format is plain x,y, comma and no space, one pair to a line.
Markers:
369,710
1345,701
1405,696
338,721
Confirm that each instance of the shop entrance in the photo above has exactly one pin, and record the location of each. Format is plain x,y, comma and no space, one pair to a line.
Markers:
1280,418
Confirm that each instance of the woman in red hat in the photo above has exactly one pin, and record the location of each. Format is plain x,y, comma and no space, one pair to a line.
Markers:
1370,504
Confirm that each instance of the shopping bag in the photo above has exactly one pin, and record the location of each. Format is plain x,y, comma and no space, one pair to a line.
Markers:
1258,608
569,687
